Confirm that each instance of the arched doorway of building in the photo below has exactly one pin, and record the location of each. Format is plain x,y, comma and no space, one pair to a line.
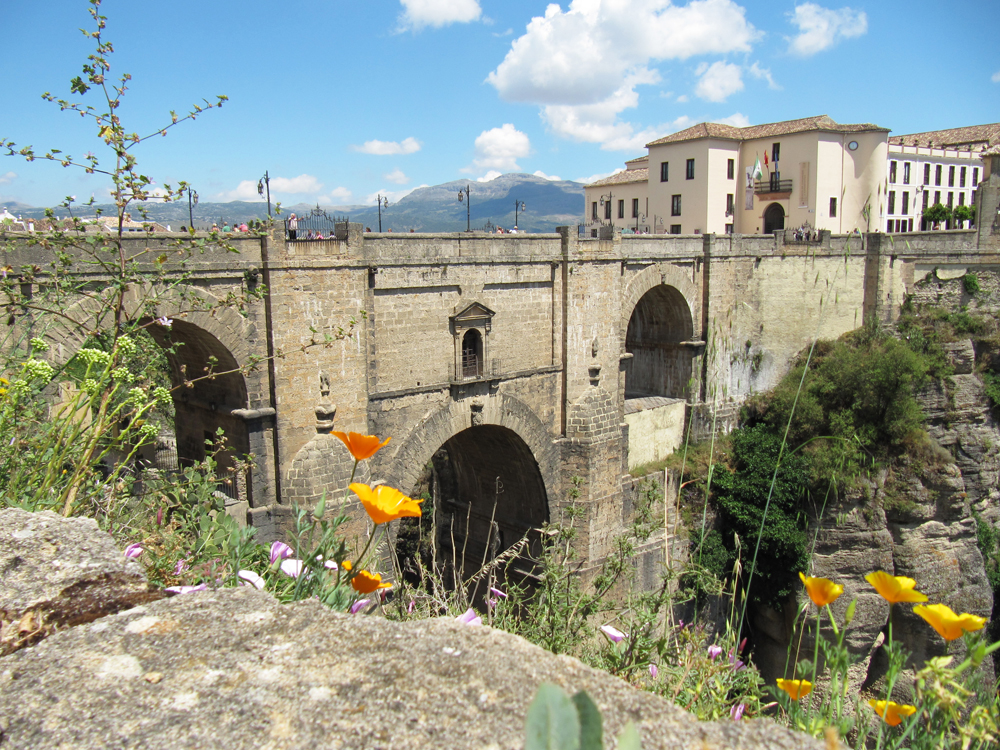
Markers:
472,354
207,388
661,363
483,496
774,218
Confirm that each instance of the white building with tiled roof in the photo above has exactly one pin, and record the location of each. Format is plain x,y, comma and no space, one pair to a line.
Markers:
814,173
940,166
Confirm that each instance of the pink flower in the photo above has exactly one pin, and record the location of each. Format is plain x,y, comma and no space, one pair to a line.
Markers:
359,605
714,652
653,671
249,578
498,592
613,634
291,567
410,606
186,589
180,567
736,712
133,551
279,551
470,617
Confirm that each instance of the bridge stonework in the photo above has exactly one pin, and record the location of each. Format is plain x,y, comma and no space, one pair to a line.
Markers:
554,360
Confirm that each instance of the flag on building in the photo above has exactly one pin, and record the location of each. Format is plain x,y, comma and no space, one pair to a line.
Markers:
758,173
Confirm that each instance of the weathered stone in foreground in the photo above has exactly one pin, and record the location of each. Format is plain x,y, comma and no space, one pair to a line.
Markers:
57,572
235,669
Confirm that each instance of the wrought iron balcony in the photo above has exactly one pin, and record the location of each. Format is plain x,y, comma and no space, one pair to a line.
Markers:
773,185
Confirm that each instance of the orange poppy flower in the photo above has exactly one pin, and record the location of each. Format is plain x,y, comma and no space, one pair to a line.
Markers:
894,589
822,591
365,582
893,713
949,625
385,503
346,565
361,446
796,688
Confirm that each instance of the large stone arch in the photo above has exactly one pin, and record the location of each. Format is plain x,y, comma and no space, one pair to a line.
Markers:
403,467
649,278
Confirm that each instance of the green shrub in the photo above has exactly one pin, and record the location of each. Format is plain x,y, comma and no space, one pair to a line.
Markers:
970,282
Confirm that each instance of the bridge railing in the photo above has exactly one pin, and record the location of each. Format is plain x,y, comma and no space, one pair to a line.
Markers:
316,225
475,368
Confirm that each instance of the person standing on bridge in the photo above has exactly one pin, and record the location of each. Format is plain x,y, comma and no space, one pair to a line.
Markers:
293,226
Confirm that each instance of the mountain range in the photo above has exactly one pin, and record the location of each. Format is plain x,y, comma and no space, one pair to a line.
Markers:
548,204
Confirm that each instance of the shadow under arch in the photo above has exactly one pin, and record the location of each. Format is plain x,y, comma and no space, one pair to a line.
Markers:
658,337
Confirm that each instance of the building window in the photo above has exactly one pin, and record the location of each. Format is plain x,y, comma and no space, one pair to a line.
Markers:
775,152
927,174
730,204
951,199
729,228
906,203
937,175
675,229
593,213
927,196
635,208
909,225
675,205
892,201
975,177
892,171
951,176
937,197
621,209
833,208
607,210
690,169
972,199
906,173
961,177
472,354
730,170
664,170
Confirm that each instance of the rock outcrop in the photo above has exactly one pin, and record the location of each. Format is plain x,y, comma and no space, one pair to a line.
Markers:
234,668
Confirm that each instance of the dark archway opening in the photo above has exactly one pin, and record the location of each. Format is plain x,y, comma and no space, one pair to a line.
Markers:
774,218
472,354
202,406
484,496
657,331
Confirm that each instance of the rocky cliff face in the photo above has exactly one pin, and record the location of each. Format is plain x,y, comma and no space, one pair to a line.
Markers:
916,520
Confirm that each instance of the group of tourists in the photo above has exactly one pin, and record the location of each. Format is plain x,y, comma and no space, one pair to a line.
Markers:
255,225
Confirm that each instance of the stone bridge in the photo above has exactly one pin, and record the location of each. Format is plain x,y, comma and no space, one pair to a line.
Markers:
510,369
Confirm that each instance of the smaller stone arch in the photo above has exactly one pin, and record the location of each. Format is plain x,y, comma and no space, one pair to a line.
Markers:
774,218
649,278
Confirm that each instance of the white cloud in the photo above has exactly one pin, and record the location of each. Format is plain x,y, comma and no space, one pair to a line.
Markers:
549,177
995,78
396,177
596,177
718,81
763,73
737,120
508,32
389,148
6,179
682,99
392,195
247,189
336,196
820,28
437,13
489,176
500,148
582,65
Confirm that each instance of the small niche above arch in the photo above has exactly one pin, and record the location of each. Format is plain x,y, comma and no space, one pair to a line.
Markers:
470,328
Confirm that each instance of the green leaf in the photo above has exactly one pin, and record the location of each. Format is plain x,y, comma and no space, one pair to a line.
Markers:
553,722
591,731
629,738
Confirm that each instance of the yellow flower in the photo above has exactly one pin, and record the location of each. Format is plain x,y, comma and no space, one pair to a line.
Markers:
796,688
894,589
949,625
822,591
893,713
365,582
385,503
346,565
361,446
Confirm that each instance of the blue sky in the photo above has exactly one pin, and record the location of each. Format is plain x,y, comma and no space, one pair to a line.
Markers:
340,101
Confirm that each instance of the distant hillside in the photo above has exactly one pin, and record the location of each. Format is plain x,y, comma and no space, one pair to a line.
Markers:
430,209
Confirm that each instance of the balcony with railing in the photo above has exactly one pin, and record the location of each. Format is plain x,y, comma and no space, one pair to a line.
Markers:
772,185
473,367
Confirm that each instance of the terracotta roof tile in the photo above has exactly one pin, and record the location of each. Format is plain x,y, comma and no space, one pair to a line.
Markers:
973,135
770,130
623,178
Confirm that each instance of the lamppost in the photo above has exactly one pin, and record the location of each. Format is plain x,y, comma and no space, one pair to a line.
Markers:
192,202
608,212
264,183
518,206
637,217
383,202
465,195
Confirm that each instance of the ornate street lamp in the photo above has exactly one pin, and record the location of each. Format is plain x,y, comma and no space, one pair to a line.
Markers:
383,202
192,202
465,195
606,199
518,206
264,183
